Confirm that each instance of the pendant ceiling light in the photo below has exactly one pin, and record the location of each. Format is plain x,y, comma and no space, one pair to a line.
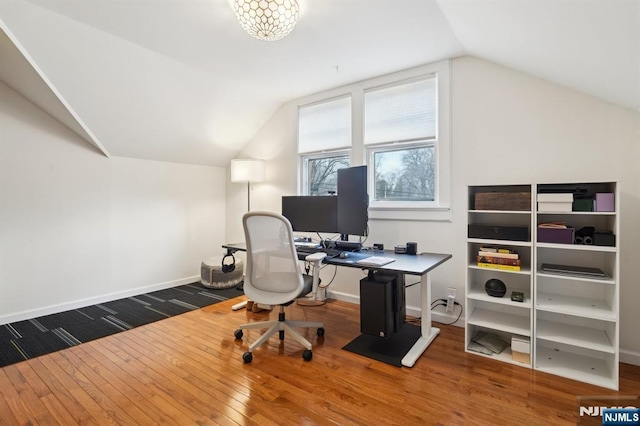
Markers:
267,19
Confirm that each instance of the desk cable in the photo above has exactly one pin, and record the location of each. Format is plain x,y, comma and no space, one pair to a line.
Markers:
335,271
412,284
435,304
443,302
307,269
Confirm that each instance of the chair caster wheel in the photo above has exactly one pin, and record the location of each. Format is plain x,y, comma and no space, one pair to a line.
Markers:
307,355
320,332
238,334
247,357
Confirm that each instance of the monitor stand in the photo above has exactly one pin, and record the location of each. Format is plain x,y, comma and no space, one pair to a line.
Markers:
348,245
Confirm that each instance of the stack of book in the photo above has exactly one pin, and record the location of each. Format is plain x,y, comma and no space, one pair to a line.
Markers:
498,258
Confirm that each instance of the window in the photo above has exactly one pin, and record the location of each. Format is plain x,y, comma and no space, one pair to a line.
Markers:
405,174
324,139
322,173
399,134
398,125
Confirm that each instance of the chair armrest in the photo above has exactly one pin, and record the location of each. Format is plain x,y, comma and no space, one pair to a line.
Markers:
316,257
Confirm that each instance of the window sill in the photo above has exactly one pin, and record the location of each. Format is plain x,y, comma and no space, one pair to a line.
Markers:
441,214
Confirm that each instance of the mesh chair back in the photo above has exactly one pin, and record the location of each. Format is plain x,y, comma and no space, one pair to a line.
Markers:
273,274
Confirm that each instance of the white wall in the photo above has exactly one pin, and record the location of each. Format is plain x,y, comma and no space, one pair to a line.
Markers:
507,127
78,228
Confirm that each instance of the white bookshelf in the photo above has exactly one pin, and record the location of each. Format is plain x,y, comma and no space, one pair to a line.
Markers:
575,305
500,321
577,317
575,335
572,320
593,370
477,292
500,316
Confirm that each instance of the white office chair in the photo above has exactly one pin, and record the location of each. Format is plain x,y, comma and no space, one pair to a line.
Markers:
273,277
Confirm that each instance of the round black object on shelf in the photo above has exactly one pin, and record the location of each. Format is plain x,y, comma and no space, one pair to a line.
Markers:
494,287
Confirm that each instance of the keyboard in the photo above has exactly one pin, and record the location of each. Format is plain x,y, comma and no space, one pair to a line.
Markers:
310,250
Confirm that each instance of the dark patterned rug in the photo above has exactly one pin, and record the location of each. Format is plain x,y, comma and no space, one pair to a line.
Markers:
27,339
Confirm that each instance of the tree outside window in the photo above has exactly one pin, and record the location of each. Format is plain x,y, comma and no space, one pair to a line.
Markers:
405,174
322,174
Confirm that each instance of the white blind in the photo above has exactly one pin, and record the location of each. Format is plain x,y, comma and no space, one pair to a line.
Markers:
398,113
325,126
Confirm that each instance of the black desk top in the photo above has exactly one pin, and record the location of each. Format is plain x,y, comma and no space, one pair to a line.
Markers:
235,246
412,264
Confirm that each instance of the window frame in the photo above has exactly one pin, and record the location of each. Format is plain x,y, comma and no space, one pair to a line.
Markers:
304,165
438,210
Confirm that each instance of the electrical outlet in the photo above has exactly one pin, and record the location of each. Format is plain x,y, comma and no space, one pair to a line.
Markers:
452,291
451,298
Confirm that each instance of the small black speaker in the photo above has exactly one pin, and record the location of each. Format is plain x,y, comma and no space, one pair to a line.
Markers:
495,288
412,248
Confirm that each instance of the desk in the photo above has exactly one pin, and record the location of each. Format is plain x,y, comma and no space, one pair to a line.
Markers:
419,265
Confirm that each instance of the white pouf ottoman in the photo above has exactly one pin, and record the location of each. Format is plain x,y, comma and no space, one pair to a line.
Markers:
221,272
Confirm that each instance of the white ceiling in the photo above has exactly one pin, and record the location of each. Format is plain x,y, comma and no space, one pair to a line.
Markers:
179,80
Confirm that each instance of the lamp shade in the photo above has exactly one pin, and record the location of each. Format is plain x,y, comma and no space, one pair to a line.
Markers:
267,19
247,170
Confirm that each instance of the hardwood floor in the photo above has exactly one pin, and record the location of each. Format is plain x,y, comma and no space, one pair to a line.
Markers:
188,370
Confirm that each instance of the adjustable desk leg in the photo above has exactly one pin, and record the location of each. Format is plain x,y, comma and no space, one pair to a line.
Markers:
428,333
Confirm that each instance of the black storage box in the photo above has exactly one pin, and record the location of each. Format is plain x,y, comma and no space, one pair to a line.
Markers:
604,238
513,233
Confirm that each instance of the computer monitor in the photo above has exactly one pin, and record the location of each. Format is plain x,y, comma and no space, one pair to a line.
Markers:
353,202
311,213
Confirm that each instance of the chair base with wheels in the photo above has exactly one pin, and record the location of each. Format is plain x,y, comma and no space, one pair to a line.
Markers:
281,325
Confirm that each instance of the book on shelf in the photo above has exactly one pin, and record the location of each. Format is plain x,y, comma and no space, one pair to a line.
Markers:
496,254
498,260
492,249
496,266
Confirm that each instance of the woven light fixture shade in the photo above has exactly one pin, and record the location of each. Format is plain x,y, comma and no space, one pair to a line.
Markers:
267,19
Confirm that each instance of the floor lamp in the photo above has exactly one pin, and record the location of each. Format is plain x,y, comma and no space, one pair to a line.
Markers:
246,171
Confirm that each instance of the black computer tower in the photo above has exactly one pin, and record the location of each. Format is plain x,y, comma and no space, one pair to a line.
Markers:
382,303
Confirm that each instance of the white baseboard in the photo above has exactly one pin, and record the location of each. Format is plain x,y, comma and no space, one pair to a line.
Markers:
629,357
81,303
345,297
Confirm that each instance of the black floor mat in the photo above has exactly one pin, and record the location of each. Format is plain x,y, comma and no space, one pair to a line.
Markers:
390,350
27,339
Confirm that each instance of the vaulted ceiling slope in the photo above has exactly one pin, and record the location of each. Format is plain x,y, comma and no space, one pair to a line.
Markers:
180,81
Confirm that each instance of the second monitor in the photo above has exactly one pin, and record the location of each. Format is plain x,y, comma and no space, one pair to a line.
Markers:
311,213
353,202
345,214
